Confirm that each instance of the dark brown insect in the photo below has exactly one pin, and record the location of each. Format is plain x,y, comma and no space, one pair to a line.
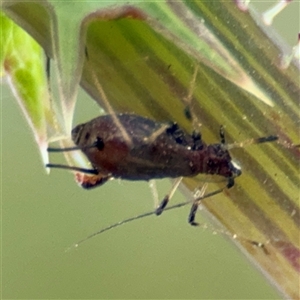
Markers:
132,147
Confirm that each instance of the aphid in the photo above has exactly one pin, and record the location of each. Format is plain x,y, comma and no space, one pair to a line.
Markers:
132,147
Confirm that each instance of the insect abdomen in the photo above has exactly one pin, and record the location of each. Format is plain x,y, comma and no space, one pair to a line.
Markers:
154,150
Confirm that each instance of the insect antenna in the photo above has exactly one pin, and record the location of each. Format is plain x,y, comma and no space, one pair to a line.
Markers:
73,148
73,168
166,199
197,201
260,140
108,107
144,215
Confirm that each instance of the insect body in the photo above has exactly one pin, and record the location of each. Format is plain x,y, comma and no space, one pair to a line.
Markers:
155,150
132,147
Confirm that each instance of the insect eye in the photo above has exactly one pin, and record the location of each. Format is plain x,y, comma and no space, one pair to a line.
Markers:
99,144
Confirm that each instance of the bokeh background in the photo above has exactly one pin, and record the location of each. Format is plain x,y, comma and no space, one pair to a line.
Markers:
155,257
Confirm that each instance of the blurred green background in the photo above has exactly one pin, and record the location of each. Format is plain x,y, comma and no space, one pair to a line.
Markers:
156,257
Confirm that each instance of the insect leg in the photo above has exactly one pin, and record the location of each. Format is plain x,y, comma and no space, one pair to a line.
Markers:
189,114
230,182
166,199
197,141
152,185
194,208
144,215
197,201
222,135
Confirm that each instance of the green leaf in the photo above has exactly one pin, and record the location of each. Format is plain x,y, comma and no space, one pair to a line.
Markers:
22,64
143,56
